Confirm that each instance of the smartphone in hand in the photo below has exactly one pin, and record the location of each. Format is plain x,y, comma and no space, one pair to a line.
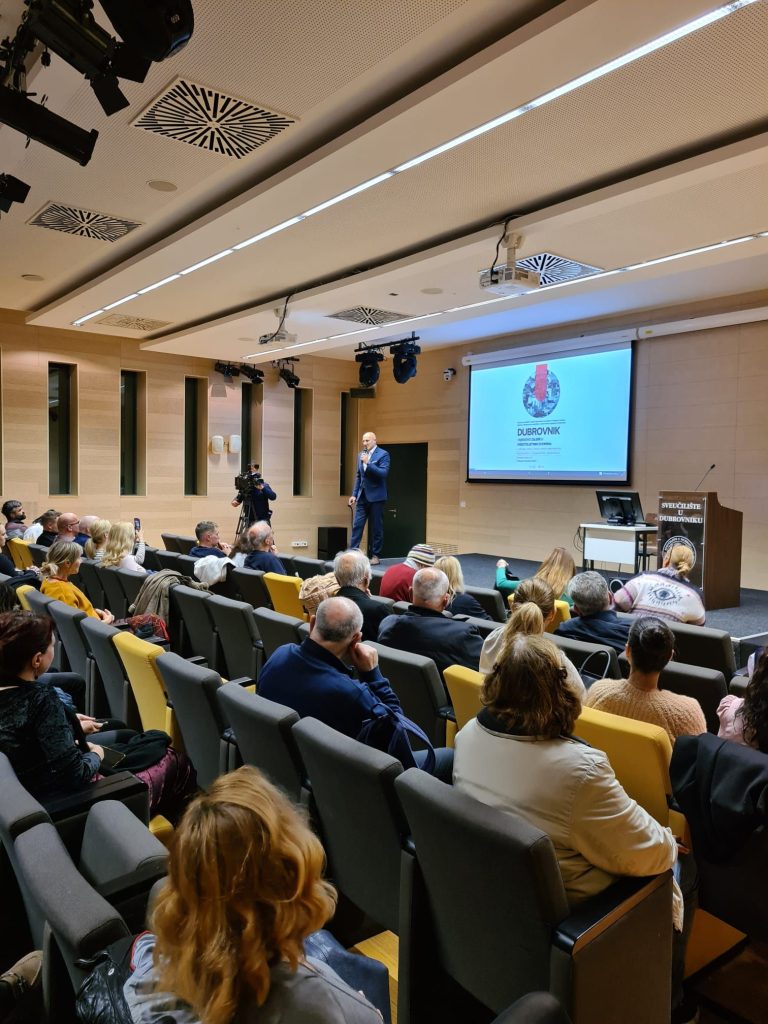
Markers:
136,523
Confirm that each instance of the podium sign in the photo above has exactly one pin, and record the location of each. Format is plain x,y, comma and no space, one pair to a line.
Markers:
681,520
712,533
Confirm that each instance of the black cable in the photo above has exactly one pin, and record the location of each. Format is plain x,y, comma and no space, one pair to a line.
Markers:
271,337
494,278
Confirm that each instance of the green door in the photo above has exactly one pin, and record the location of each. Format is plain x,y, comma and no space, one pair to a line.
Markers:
405,514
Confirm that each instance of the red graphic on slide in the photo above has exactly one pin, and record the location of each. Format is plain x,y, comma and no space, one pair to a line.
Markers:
540,387
541,392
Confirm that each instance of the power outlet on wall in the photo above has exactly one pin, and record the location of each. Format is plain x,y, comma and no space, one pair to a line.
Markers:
299,543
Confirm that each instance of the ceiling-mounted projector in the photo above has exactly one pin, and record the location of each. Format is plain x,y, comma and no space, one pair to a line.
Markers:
509,280
279,337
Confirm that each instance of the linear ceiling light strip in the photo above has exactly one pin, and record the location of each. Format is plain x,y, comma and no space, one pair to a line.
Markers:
548,97
533,291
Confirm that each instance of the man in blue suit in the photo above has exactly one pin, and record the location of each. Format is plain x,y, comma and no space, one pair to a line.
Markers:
369,496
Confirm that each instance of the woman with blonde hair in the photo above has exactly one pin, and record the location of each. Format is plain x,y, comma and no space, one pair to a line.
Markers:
64,561
460,602
119,548
667,592
244,890
533,608
557,570
94,547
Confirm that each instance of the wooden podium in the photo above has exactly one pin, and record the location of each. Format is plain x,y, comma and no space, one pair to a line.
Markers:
713,533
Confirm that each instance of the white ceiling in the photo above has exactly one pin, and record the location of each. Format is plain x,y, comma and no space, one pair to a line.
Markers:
664,155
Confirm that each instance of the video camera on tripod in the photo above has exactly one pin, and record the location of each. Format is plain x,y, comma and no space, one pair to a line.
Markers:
246,482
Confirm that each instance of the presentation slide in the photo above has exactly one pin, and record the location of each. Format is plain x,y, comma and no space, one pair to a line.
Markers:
555,418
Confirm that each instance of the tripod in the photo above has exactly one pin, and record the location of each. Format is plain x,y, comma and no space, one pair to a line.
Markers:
246,517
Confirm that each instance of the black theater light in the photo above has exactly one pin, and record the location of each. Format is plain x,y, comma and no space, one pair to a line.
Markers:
253,374
12,190
155,29
42,125
404,359
228,370
369,359
286,372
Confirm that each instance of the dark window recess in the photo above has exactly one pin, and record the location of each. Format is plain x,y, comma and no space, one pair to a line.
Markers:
191,436
59,428
129,431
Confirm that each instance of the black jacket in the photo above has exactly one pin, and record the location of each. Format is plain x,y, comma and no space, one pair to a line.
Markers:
601,628
374,612
436,635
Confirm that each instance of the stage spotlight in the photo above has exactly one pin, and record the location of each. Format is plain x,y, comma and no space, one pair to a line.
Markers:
156,29
369,359
228,370
12,190
287,374
404,359
253,374
42,125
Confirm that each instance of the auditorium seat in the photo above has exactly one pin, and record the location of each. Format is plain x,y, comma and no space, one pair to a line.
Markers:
171,541
308,567
20,554
416,681
199,636
131,583
706,685
284,594
67,621
185,544
463,685
491,601
276,629
250,587
579,650
112,690
702,645
535,1008
39,554
239,640
138,658
91,580
114,594
562,614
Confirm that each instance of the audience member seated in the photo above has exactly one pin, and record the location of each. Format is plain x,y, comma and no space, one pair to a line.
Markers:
745,719
312,678
667,592
63,562
427,629
244,891
459,603
519,755
49,532
84,534
208,541
33,532
650,647
15,514
7,568
263,554
595,621
97,541
556,570
67,527
353,574
47,746
118,550
242,547
533,608
396,581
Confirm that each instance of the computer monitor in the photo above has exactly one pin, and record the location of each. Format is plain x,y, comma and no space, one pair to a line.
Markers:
620,507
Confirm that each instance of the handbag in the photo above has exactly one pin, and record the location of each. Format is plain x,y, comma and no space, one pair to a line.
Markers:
100,998
390,731
595,667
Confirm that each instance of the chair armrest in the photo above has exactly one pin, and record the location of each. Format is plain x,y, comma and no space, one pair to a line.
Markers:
599,912
738,685
197,659
447,713
242,681
122,786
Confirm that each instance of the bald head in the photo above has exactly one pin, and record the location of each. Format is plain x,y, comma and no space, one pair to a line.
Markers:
430,589
337,623
369,440
86,523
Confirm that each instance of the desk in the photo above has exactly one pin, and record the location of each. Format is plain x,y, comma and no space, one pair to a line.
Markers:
607,542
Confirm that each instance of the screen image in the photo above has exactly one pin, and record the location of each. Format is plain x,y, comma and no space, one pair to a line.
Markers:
556,418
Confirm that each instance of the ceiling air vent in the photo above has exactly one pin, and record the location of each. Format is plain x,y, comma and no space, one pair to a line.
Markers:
132,323
553,269
211,120
368,315
73,220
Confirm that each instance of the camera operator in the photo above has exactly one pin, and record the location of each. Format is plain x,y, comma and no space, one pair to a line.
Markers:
255,494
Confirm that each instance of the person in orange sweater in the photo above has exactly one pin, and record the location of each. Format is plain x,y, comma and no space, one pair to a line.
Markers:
649,649
63,562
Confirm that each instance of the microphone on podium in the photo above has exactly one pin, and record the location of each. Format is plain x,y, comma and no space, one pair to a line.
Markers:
704,477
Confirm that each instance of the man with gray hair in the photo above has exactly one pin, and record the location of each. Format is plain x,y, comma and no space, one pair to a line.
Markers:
208,541
594,619
426,628
313,679
263,556
353,574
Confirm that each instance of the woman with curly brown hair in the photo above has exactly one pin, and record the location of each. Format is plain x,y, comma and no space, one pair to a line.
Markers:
244,890
745,719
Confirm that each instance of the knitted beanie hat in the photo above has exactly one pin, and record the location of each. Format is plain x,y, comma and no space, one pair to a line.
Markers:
422,554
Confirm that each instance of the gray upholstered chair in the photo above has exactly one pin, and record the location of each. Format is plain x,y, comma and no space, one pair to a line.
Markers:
485,919
308,567
199,637
39,602
91,580
171,541
491,600
706,685
250,587
131,583
704,646
535,1008
276,629
168,559
241,645
579,650
376,577
114,594
362,824
186,565
192,691
110,684
39,554
185,544
417,682
262,731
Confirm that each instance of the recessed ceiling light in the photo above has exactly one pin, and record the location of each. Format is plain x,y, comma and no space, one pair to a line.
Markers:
162,186
32,277
431,291
393,294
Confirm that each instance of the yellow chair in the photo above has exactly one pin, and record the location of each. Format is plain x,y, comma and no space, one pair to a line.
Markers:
562,614
21,593
463,685
284,594
138,658
20,553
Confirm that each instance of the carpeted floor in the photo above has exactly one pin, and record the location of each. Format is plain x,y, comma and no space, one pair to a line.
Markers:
749,619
